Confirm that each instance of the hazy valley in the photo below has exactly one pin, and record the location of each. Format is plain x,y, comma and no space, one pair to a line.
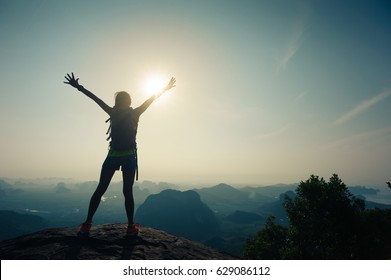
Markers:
220,216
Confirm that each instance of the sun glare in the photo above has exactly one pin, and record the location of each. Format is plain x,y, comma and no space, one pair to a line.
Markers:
154,84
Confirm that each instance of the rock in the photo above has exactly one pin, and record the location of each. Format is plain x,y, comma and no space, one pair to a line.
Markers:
106,242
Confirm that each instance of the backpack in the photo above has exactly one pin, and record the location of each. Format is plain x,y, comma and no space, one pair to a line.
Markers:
122,131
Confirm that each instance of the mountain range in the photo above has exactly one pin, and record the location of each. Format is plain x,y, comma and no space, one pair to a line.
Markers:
220,216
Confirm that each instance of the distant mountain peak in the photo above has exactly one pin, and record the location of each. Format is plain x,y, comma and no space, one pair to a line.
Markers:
181,213
223,186
221,189
4,184
61,188
105,243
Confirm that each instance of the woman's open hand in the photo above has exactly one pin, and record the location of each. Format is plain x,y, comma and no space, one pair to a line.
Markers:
170,84
72,81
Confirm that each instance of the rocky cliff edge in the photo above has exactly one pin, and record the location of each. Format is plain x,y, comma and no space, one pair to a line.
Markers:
106,242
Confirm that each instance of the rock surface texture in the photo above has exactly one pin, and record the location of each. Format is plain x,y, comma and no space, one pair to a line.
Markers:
106,242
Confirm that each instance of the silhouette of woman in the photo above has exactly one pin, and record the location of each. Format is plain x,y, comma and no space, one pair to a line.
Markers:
123,150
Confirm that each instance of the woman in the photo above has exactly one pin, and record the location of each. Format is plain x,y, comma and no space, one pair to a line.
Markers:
122,153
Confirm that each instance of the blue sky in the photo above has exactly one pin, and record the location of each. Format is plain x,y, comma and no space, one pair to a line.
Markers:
267,91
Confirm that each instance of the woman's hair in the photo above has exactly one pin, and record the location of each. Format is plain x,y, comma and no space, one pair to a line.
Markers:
122,99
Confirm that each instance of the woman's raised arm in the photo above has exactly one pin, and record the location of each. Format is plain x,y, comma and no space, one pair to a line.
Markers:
149,101
70,80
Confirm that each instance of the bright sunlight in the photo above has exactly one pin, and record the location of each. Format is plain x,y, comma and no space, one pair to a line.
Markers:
155,83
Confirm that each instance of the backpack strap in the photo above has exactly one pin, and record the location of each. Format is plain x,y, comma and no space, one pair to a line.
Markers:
136,165
108,132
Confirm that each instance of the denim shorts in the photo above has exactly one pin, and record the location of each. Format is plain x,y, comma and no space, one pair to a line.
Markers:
126,163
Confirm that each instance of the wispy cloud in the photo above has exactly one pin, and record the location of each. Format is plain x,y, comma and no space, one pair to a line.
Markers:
362,107
274,133
291,49
299,28
358,139
299,97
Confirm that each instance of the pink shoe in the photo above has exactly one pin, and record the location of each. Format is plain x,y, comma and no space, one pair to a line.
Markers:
84,229
132,230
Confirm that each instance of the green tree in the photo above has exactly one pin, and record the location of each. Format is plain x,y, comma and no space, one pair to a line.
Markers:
323,220
269,243
374,235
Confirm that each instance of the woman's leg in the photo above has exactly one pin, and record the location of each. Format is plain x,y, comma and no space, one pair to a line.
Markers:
104,181
128,181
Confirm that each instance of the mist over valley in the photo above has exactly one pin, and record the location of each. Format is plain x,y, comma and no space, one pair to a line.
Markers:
221,216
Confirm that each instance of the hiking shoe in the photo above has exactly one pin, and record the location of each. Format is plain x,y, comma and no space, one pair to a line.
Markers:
84,229
132,230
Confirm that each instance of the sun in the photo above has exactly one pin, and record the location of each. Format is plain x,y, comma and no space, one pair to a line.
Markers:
154,83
